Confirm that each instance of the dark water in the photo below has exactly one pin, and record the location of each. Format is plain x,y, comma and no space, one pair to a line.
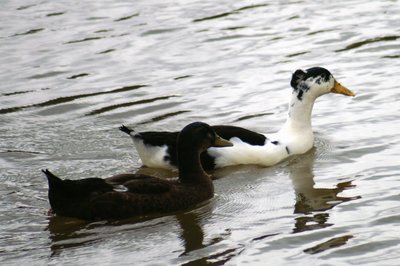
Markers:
71,73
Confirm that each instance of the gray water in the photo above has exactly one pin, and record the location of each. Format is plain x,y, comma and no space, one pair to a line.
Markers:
72,72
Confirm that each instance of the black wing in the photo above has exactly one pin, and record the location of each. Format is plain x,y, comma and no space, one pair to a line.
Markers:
228,132
141,184
159,138
248,136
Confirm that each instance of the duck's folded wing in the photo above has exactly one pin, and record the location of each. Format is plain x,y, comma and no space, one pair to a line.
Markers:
137,183
248,136
152,185
159,138
120,179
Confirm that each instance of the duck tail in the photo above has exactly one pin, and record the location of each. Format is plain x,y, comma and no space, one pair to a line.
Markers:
126,129
53,180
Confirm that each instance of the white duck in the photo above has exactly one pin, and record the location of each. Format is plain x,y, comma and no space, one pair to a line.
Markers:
158,149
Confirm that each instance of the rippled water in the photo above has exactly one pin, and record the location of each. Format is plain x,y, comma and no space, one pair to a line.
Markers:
72,73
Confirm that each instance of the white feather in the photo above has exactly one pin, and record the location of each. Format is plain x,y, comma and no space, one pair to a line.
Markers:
244,153
152,156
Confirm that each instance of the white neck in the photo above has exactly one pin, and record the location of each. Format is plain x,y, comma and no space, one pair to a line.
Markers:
299,114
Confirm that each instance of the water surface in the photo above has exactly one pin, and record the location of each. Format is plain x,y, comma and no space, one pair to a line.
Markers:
72,73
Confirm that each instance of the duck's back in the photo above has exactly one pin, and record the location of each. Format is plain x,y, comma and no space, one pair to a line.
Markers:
124,196
122,205
245,135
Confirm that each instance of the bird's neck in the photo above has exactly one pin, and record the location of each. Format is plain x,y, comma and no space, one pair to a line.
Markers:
299,114
190,168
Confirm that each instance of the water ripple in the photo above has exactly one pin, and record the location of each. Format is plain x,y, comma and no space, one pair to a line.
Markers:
122,105
222,15
127,17
223,63
368,41
55,14
67,99
32,31
84,40
78,76
164,116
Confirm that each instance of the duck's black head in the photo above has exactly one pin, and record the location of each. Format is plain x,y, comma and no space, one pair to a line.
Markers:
315,82
200,136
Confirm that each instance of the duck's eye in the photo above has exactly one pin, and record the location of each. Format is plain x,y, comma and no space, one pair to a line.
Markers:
323,75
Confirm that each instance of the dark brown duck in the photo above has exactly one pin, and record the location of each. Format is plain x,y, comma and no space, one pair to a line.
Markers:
128,195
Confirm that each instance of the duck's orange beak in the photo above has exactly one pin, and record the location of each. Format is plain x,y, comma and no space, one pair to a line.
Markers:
339,88
220,142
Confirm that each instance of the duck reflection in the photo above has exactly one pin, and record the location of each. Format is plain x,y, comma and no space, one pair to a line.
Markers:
63,231
66,232
310,199
192,234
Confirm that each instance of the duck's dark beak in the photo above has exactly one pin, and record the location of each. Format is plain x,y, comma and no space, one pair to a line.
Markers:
220,142
339,88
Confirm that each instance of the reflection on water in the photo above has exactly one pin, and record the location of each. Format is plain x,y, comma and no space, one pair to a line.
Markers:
63,233
331,243
310,199
67,232
192,235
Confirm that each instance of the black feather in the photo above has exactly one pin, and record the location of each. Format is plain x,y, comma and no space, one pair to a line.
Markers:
126,129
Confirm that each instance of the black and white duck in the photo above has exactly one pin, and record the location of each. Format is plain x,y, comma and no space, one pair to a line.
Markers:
157,149
128,195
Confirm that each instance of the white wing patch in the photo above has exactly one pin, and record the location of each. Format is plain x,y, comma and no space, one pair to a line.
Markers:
152,156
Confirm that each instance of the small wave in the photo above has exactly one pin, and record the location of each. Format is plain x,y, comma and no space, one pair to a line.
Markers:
46,75
391,56
21,151
25,7
296,54
126,17
215,16
84,40
238,36
78,76
252,116
183,77
16,92
159,31
55,14
221,15
106,51
66,99
122,105
368,41
164,116
32,31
